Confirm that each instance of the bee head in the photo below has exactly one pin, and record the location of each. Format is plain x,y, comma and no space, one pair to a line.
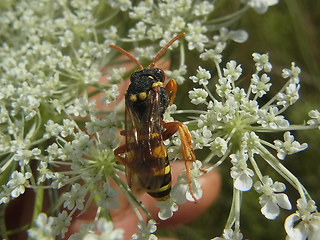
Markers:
141,81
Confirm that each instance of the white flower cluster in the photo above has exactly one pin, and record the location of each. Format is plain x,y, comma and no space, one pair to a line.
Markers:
146,231
90,159
51,53
172,17
101,229
166,19
232,125
52,59
305,222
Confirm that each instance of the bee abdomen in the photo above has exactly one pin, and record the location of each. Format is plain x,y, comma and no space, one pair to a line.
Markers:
163,192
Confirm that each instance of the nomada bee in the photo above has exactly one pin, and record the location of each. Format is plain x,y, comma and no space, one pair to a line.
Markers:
144,153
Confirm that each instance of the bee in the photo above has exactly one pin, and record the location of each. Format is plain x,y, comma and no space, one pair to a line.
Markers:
144,154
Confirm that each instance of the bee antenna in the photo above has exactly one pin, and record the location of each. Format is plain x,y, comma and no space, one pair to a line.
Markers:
162,50
128,55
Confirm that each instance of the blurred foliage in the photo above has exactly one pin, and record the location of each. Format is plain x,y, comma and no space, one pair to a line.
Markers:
289,32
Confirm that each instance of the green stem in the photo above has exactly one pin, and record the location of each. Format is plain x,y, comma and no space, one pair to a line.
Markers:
274,98
226,18
283,171
218,163
182,55
3,227
133,200
38,204
234,215
255,167
231,217
237,194
282,129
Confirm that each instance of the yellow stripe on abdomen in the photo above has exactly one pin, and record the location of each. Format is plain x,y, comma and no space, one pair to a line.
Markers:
163,192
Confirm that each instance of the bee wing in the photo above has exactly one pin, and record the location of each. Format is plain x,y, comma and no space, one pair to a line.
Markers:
154,149
133,151
146,154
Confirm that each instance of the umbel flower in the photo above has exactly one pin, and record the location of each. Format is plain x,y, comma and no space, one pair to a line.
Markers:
232,126
58,134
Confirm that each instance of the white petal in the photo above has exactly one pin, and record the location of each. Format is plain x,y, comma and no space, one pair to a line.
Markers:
267,180
239,36
300,232
197,192
165,214
270,210
153,237
289,223
283,201
243,182
279,187
263,199
166,209
315,231
228,233
234,172
41,220
281,154
152,226
297,233
258,186
178,193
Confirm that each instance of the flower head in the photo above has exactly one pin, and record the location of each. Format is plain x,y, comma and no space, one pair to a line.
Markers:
75,198
260,86
229,234
167,208
262,62
260,6
289,146
292,74
17,183
198,96
270,199
181,190
104,229
61,223
232,124
305,223
43,229
202,76
145,231
232,72
315,118
240,172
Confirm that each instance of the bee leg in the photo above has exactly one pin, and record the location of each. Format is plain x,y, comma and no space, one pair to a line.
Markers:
187,150
118,151
171,87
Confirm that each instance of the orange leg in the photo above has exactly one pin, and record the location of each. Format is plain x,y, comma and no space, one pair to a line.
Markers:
187,150
171,87
118,151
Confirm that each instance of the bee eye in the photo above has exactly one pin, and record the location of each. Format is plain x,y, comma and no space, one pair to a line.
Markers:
142,95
